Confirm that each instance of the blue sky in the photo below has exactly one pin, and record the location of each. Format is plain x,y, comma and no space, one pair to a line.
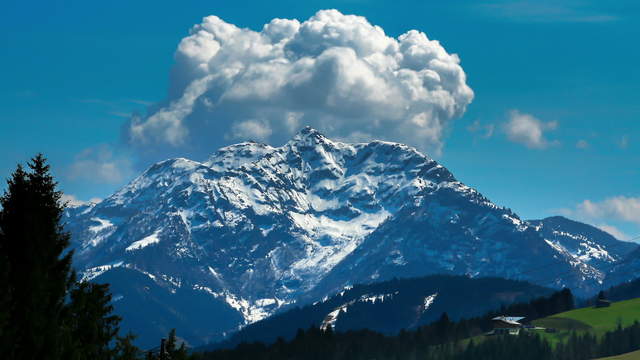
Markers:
553,126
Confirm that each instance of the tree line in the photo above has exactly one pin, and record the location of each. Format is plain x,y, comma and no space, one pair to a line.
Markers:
314,344
441,339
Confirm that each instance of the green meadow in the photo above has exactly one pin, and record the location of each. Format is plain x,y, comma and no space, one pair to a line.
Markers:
591,319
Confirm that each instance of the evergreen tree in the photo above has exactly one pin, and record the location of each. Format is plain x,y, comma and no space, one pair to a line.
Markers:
124,349
174,351
39,266
5,304
44,313
89,324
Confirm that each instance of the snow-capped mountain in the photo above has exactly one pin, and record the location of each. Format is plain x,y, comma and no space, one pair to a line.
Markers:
584,242
256,228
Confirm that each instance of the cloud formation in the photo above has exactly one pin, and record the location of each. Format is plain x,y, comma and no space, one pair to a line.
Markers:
618,208
614,231
527,130
335,72
100,165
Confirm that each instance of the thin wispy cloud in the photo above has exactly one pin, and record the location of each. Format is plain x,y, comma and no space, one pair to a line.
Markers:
623,143
545,11
95,101
582,144
121,114
140,102
614,231
113,103
123,108
484,131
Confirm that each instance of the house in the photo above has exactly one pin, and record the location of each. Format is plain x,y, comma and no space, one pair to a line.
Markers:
503,325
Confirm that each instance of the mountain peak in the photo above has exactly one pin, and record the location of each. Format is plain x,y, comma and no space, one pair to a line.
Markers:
236,155
308,136
309,131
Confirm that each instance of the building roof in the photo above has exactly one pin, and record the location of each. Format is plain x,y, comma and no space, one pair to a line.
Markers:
509,319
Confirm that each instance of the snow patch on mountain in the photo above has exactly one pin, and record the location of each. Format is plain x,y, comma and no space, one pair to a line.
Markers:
148,240
91,273
102,224
332,317
428,301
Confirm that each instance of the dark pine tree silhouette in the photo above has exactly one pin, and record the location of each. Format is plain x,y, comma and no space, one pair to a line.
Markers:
176,352
601,295
5,302
39,267
89,324
44,313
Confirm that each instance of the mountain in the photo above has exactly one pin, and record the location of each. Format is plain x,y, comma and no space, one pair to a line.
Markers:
584,242
256,229
625,270
390,306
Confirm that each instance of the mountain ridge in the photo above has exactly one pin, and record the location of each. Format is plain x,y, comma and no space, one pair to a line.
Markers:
262,228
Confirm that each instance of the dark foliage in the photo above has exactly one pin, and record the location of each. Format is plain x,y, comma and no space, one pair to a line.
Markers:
522,347
171,350
624,291
39,268
45,313
364,344
88,323
459,296
441,339
588,346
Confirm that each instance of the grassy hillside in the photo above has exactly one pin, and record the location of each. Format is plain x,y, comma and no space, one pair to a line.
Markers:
596,320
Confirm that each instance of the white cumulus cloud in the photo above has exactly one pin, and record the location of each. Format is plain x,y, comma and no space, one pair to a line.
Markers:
527,130
618,207
623,211
335,72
